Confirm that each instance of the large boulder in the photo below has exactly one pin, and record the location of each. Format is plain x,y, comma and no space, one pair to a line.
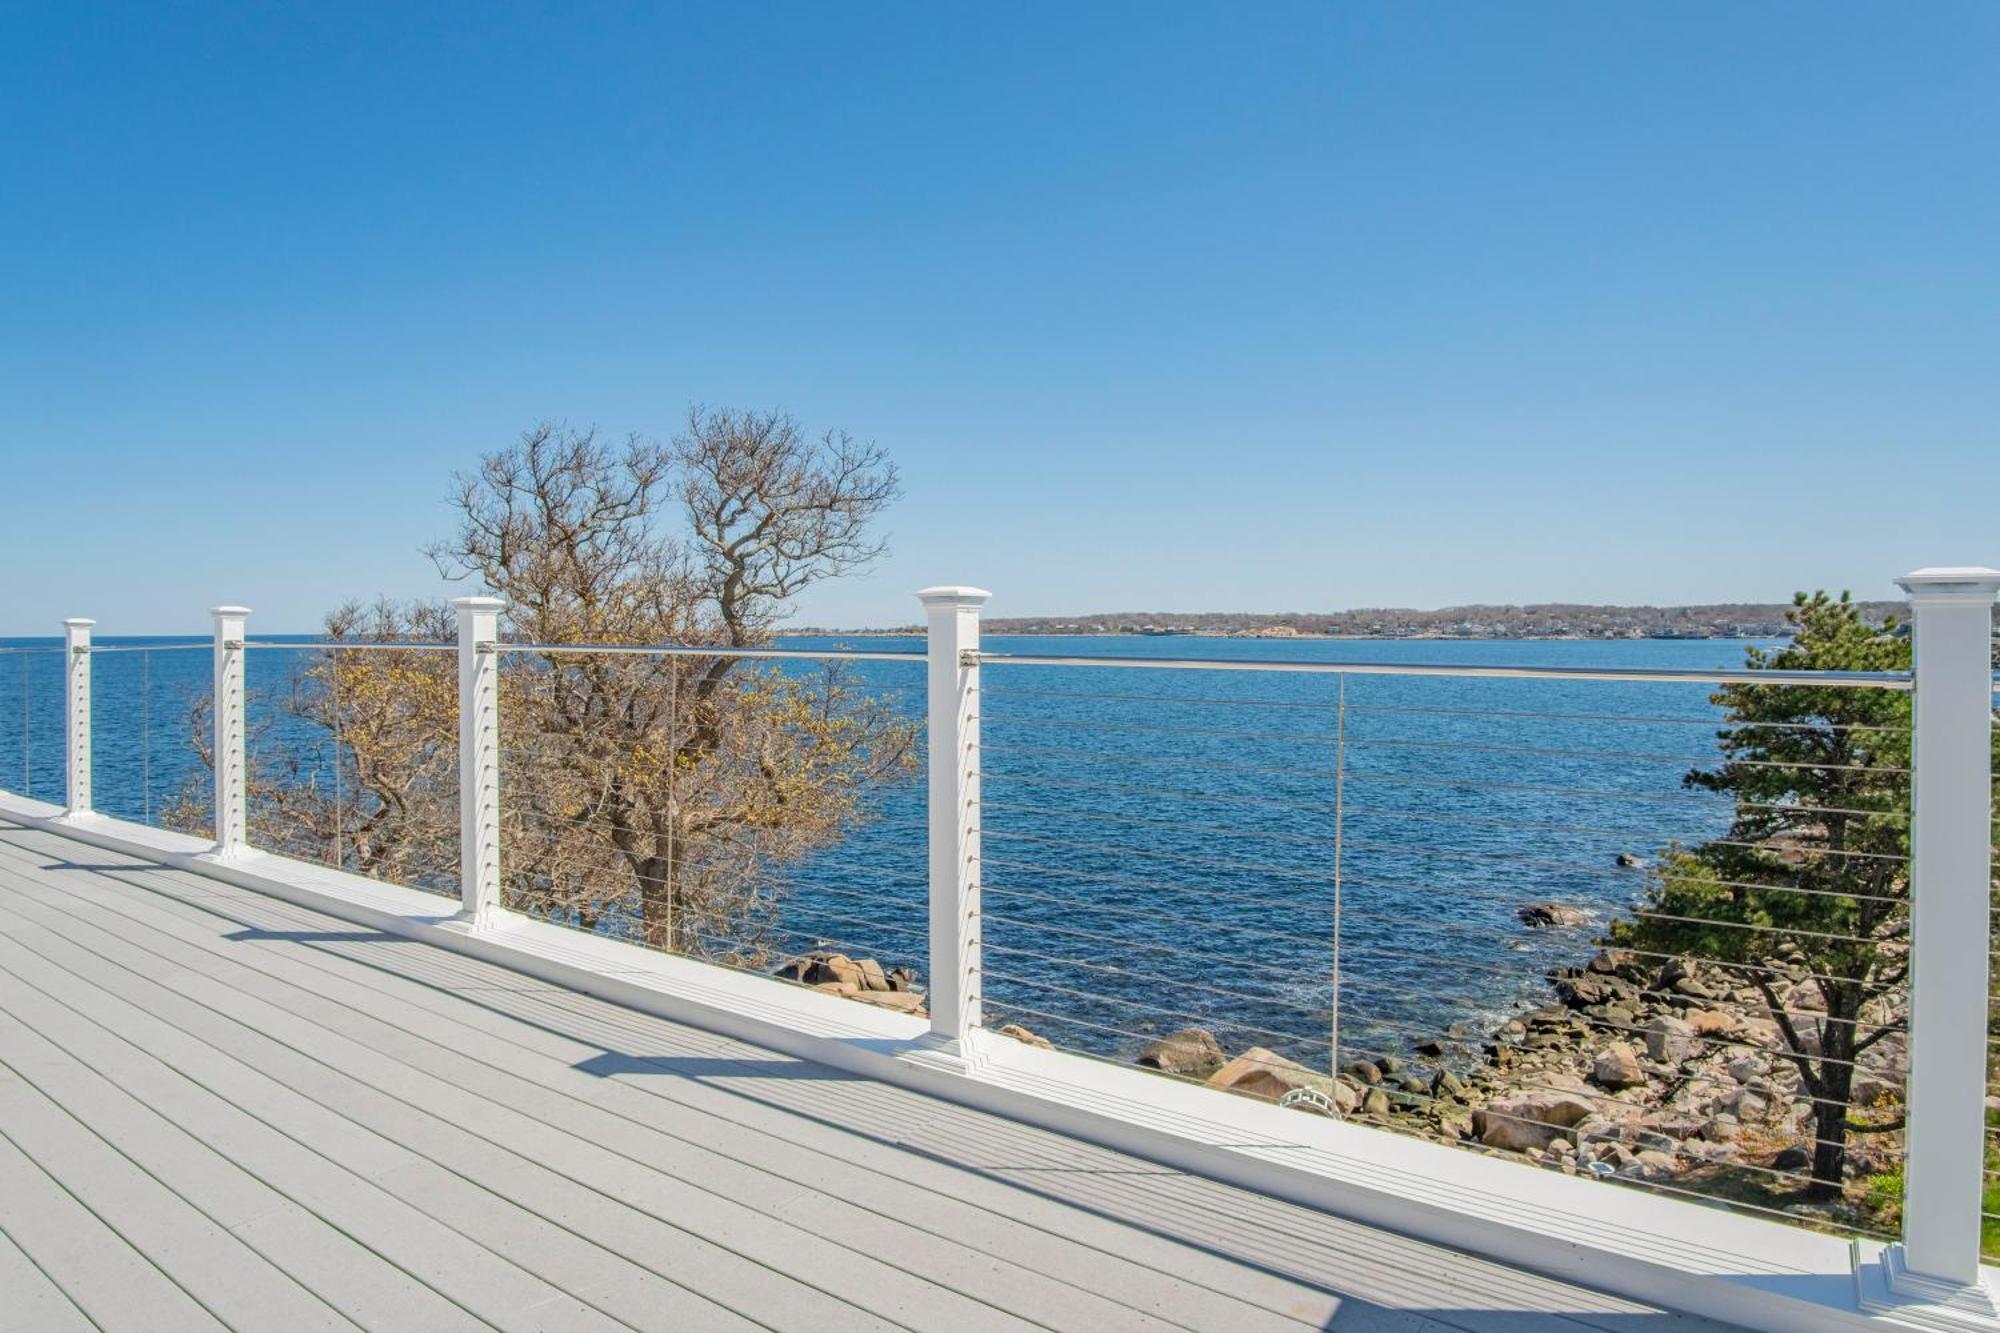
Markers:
1529,1120
1264,1073
1552,915
872,975
833,967
1617,1066
1191,1051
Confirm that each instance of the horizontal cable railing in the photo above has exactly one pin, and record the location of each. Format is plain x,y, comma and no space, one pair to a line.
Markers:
1421,898
1651,923
31,723
1883,680
642,789
146,709
352,756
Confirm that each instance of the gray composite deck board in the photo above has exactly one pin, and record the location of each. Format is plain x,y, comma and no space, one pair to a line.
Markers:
221,1109
33,1300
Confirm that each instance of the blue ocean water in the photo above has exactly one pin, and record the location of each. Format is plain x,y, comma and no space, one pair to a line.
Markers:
1168,847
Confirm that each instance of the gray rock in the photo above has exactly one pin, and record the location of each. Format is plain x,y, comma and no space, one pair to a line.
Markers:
1670,1040
1744,1068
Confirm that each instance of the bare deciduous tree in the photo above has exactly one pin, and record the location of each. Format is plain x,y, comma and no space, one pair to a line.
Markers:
657,795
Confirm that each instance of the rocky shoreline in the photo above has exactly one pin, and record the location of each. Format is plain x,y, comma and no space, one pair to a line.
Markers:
862,979
1638,1067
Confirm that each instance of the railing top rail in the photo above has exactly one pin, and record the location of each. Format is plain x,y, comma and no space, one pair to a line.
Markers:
684,650
144,647
1876,680
34,648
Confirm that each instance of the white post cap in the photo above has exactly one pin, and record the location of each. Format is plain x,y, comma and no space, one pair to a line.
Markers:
1951,581
79,622
480,603
953,596
228,612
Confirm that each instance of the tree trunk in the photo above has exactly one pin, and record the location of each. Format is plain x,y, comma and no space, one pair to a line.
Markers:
662,923
1834,1089
1829,1157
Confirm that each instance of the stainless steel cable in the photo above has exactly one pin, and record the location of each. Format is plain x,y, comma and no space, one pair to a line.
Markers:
1156,700
339,786
348,646
1007,751
1040,985
1237,733
1339,830
1599,793
677,650
1186,858
1555,752
27,727
1715,720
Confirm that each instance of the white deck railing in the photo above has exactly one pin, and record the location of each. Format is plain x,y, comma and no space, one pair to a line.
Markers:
1930,1276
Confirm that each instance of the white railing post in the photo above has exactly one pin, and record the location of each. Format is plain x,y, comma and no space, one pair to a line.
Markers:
1937,1264
953,628
232,788
479,758
76,714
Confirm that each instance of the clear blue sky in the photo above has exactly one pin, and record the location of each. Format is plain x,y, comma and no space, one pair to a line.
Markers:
1159,306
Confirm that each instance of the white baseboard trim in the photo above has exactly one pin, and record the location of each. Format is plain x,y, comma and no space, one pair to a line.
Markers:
1663,1251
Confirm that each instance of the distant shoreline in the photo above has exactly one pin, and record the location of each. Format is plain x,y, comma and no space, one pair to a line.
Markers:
1555,621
